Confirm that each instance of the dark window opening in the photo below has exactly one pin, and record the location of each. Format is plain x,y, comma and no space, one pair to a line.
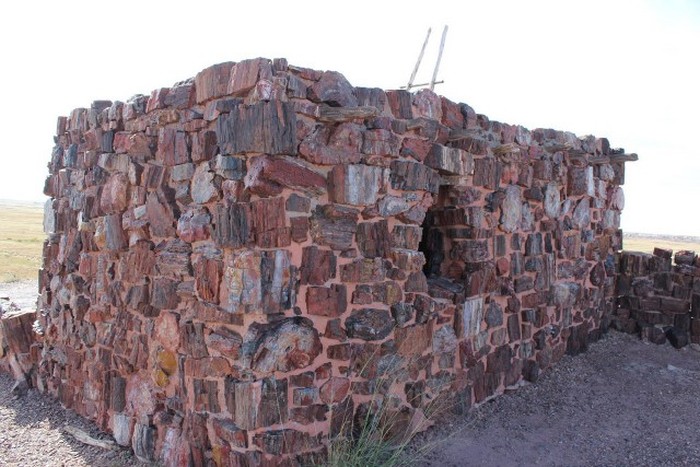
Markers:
432,245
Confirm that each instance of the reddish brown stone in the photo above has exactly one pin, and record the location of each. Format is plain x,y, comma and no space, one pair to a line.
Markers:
232,225
172,147
363,270
326,301
358,185
412,176
412,341
245,75
299,229
255,404
265,127
400,103
213,81
268,223
291,343
160,218
204,146
369,324
285,173
309,414
194,225
340,145
416,148
487,173
317,266
207,273
334,226
164,294
227,432
381,143
373,239
333,89
114,194
334,390
580,181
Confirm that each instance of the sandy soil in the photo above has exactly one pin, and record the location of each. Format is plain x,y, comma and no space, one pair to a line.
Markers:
623,403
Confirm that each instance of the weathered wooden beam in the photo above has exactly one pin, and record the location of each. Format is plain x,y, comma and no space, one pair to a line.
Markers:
624,157
439,57
420,58
327,113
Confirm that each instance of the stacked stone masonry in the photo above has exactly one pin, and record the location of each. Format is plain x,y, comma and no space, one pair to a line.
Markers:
240,265
659,296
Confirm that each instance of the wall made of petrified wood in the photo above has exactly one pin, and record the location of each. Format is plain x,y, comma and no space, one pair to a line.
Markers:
237,264
659,296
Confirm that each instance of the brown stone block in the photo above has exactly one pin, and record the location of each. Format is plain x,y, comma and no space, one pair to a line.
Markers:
334,89
285,345
412,176
227,432
299,230
363,270
207,274
245,75
109,234
373,239
232,225
356,184
213,81
163,295
449,161
285,441
327,301
310,414
172,147
204,145
331,146
334,225
256,281
255,404
265,127
285,173
580,181
380,142
206,395
415,148
369,324
317,266
487,173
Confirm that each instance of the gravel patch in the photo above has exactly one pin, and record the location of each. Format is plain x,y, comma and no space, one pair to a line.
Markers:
622,403
31,434
23,294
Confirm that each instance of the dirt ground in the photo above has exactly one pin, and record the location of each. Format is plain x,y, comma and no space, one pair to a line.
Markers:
623,403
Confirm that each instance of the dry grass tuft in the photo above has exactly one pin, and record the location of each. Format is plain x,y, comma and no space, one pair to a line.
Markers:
21,239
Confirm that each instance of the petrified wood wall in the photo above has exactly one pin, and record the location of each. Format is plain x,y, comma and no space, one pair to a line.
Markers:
237,264
659,296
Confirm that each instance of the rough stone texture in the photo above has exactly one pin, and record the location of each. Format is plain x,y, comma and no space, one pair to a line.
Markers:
659,296
228,263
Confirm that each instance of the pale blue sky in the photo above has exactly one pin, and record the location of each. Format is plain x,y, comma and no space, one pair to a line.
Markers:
627,70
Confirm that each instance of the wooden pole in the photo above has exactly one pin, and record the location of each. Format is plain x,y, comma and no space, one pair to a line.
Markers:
439,57
420,57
